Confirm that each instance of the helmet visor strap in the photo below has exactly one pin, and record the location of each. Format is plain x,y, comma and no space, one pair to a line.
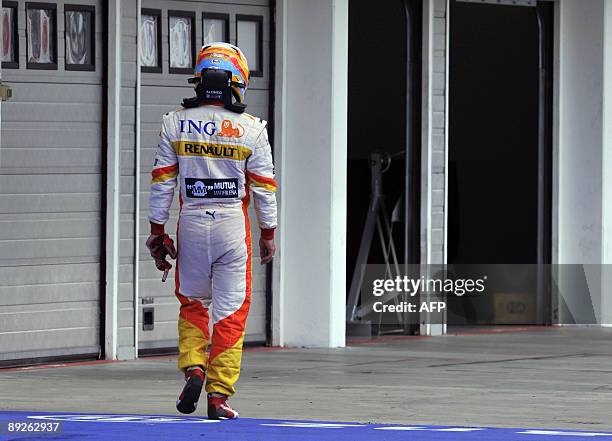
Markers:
215,85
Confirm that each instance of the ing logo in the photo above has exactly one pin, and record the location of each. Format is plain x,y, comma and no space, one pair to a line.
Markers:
229,131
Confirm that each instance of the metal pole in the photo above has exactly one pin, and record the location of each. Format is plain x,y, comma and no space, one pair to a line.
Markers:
366,238
113,160
136,301
543,247
412,213
408,227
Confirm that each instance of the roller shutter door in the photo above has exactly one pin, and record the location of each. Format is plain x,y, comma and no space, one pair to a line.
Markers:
50,180
163,91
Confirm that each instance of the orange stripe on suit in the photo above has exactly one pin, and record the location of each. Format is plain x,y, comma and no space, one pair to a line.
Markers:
163,174
230,304
228,334
262,181
213,279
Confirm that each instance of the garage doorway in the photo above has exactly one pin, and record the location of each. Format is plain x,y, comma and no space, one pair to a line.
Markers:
172,30
52,180
500,144
384,118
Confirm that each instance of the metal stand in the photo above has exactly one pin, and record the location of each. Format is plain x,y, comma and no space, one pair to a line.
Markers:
377,220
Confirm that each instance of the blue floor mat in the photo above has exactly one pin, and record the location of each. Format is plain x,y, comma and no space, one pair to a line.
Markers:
113,427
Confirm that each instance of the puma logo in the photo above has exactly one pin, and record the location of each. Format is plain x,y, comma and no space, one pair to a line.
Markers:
229,131
211,214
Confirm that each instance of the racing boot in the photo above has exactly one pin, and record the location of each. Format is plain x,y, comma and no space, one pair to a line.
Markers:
194,380
218,409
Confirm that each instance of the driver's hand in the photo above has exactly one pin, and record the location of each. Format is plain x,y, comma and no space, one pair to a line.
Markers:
154,244
266,250
161,246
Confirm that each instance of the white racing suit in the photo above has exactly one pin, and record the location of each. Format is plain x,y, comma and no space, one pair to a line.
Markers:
216,156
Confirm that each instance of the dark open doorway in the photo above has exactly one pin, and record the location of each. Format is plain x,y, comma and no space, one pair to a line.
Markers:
384,116
500,153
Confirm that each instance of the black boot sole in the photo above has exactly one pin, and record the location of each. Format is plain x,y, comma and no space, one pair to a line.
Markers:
191,395
212,413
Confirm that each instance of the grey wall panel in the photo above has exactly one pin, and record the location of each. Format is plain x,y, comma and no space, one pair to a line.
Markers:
126,226
69,113
20,252
125,335
128,72
19,228
50,198
22,318
48,136
48,342
52,183
126,315
50,203
126,249
126,292
187,3
128,145
52,352
45,294
160,93
60,93
46,275
34,160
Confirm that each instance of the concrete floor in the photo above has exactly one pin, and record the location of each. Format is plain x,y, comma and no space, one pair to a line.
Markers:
548,378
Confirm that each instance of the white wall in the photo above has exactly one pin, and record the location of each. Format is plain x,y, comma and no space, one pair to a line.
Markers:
607,168
434,155
111,344
311,122
579,159
580,131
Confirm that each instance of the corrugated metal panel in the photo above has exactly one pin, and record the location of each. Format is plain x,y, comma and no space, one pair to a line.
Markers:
50,193
162,92
128,142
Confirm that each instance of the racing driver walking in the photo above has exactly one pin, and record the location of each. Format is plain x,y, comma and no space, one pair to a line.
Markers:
216,152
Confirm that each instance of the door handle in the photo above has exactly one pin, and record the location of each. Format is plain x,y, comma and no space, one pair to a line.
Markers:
6,92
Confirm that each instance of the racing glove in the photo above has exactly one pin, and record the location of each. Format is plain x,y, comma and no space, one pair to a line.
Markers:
160,246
